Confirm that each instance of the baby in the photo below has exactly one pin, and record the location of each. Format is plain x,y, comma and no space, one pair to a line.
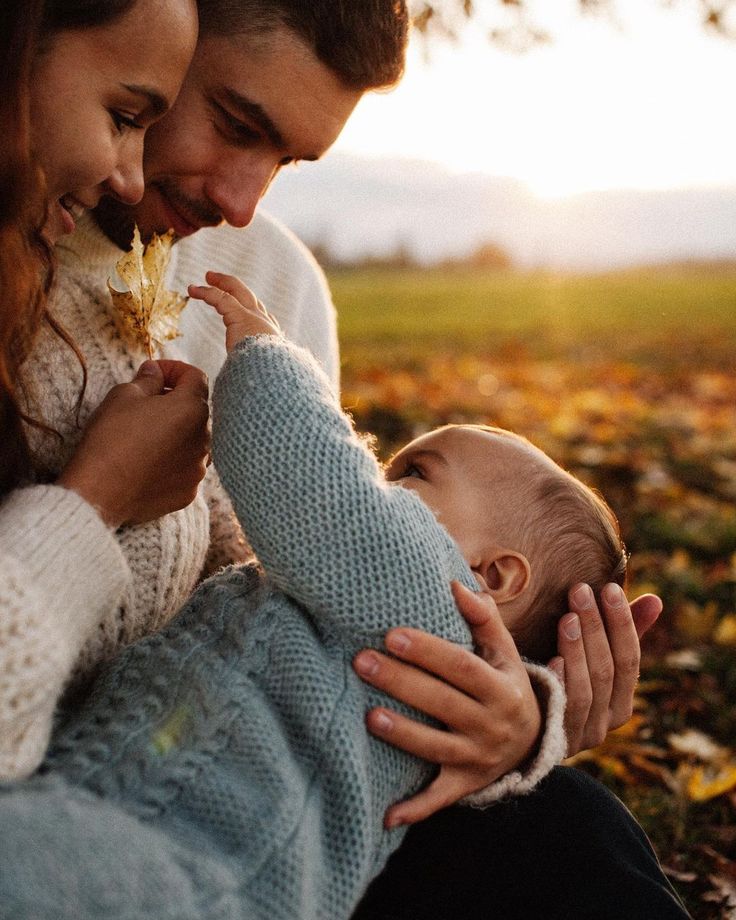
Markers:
527,528
221,769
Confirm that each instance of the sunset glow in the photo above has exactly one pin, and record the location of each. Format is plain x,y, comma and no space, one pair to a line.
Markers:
601,108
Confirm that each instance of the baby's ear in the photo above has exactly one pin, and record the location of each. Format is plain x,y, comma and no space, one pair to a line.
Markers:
507,574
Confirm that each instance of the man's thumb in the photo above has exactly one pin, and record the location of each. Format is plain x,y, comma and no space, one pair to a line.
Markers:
150,378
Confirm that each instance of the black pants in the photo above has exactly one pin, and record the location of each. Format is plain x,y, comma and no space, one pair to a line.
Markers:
568,851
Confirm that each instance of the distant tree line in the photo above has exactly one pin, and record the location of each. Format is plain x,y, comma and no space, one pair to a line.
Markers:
488,256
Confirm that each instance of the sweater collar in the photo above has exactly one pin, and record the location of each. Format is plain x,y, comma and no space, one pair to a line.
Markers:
89,245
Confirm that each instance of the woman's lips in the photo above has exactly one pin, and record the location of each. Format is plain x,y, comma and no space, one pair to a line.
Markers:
69,211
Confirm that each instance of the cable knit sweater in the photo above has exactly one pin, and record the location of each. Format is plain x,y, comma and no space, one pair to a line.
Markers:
71,592
230,750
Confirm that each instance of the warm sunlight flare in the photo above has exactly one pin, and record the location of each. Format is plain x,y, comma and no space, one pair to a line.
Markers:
641,107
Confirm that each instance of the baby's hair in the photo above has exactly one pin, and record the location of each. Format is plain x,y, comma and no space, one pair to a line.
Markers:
569,534
577,540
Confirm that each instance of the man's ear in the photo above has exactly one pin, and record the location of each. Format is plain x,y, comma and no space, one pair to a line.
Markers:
506,573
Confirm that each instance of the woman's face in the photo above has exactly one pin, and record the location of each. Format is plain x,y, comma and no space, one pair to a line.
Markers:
94,92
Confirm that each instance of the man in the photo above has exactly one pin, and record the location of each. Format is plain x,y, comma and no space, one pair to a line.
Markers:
272,83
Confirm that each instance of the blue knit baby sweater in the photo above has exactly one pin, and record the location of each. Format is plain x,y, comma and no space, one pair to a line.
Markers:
221,769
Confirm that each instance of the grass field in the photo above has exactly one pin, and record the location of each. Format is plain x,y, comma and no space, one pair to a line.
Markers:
629,380
674,314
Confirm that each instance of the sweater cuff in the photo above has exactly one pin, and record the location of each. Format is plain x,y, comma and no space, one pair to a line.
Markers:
551,750
71,557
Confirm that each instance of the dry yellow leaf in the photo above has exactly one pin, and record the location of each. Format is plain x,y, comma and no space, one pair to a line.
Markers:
725,631
695,621
147,313
708,782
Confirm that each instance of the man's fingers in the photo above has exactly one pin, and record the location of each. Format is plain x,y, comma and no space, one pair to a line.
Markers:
474,606
624,644
645,610
442,792
420,690
431,744
557,666
153,377
457,666
488,629
577,679
599,659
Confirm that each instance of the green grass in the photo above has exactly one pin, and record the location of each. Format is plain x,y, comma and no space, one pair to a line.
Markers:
637,314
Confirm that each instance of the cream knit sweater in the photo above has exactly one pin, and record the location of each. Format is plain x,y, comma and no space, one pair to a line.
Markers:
72,594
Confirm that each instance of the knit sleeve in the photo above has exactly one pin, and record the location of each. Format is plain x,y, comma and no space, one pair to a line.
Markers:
358,553
61,572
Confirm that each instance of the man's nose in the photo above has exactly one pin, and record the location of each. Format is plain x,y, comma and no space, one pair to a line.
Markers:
236,193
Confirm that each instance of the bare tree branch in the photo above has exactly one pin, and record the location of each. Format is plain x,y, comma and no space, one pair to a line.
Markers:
516,25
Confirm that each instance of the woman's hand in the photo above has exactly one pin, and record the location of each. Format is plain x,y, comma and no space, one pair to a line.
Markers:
146,446
599,661
487,703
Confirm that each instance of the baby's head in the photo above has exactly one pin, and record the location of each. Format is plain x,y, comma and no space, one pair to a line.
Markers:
527,528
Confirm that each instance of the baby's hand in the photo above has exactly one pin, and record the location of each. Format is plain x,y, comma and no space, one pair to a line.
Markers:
241,311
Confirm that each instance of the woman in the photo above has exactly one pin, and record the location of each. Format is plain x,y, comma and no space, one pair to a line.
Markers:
81,82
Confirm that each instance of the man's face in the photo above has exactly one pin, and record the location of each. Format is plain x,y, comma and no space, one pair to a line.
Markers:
249,105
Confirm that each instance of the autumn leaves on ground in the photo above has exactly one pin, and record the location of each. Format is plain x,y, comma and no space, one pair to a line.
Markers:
629,381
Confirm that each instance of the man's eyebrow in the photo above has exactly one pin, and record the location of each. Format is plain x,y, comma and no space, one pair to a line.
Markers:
256,113
157,103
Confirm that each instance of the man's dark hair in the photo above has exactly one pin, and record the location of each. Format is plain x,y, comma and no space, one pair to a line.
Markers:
363,42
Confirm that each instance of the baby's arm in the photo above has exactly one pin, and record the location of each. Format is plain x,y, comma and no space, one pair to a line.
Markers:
359,554
378,599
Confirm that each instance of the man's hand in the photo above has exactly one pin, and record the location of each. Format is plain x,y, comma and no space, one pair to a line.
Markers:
487,703
599,661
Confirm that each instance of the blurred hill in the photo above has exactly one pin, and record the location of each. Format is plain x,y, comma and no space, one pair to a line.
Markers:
355,208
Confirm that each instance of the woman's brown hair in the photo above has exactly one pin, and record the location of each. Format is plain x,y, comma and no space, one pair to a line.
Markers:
25,259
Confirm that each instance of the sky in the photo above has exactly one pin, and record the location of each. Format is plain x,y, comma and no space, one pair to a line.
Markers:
648,105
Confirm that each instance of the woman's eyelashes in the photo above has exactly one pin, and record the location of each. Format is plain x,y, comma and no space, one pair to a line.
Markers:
412,471
404,468
124,122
